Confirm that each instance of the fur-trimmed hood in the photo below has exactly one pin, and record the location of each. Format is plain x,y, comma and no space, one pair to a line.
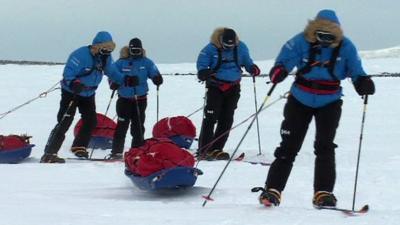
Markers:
216,37
323,25
124,52
107,45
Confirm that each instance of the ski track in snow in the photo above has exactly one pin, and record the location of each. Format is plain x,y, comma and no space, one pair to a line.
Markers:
81,193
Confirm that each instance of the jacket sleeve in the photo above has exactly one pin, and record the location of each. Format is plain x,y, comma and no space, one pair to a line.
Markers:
74,66
113,72
152,69
291,53
354,67
246,60
204,60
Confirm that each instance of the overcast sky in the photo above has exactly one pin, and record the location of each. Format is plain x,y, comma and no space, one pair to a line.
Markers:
174,31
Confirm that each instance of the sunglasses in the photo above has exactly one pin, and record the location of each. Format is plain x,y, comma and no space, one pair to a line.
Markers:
325,37
135,51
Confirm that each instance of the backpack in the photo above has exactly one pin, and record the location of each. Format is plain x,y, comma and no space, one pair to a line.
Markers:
155,155
179,129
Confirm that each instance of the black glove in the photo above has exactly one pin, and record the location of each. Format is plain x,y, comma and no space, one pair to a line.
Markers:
131,81
205,74
255,71
364,85
76,86
157,80
277,74
114,86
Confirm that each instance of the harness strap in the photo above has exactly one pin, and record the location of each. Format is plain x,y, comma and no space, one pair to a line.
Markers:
330,65
317,86
220,61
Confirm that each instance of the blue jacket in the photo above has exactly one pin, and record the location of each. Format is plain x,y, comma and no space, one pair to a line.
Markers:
82,65
229,71
143,68
295,53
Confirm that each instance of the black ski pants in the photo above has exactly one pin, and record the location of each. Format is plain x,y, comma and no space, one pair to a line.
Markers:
68,104
294,127
129,112
220,108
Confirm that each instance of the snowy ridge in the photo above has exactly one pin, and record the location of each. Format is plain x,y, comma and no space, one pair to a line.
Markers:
393,52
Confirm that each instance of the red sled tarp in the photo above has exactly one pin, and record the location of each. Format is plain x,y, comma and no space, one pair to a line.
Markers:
179,129
102,135
14,148
105,127
155,155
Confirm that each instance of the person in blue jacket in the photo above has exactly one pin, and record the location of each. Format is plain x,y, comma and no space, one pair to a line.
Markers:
82,74
220,64
132,100
323,57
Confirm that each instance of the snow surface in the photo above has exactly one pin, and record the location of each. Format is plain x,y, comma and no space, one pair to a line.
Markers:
82,193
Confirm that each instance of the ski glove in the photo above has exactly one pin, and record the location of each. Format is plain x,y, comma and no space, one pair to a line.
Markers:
255,71
157,80
277,74
364,85
76,86
114,86
205,74
131,81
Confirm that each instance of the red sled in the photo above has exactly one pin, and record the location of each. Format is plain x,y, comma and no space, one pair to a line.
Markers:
160,164
102,135
14,148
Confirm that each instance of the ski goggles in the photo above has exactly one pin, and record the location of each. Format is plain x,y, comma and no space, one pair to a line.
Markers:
135,51
105,51
227,43
325,37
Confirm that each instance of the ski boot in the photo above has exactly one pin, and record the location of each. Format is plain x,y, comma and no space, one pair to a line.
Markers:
51,158
115,156
270,197
217,154
80,152
324,199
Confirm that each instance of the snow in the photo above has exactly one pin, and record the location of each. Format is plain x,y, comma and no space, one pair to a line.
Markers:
81,193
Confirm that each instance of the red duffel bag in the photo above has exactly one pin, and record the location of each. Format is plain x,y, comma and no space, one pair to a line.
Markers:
157,154
179,129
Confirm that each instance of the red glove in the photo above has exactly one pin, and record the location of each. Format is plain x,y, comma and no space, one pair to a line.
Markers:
76,86
277,74
255,71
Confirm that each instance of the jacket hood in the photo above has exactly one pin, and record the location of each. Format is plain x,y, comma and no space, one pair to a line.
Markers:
124,52
216,37
323,24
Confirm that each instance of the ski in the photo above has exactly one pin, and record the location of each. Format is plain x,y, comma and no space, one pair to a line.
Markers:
97,160
348,212
256,162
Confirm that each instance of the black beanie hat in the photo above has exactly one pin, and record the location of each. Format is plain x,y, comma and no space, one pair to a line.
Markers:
135,43
229,37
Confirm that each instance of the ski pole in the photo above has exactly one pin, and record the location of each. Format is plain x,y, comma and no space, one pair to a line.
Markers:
239,124
359,149
158,104
256,107
191,114
139,121
105,114
58,126
208,197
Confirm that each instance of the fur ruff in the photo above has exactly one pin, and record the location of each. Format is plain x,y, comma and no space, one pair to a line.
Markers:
323,25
